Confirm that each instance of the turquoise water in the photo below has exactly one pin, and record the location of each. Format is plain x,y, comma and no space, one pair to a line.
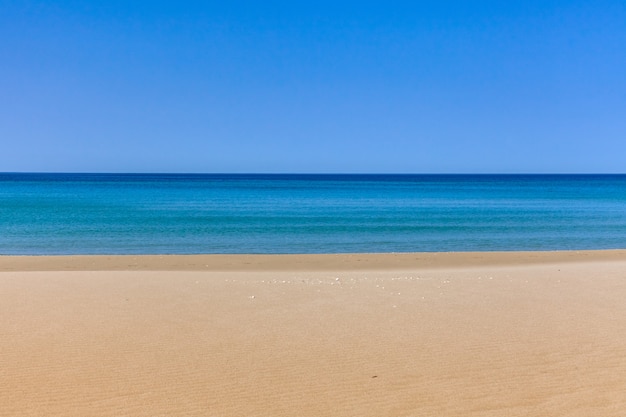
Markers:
145,213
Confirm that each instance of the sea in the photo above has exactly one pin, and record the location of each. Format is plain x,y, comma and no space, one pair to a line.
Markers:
59,214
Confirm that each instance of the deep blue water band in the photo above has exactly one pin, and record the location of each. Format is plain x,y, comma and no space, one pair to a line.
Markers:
264,213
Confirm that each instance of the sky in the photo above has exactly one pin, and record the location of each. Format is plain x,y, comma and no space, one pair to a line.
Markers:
445,86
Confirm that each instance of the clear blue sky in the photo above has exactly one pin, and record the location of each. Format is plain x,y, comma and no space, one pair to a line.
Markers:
325,86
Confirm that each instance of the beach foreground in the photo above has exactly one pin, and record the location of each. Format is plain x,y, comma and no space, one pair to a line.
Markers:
460,334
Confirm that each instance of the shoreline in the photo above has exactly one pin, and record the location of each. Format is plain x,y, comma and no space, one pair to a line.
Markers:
296,262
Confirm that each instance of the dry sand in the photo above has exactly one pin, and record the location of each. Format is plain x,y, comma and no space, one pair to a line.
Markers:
474,334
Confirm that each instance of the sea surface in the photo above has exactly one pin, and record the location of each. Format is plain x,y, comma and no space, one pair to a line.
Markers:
222,213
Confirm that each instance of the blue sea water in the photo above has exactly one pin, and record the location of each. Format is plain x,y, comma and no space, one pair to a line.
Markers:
163,214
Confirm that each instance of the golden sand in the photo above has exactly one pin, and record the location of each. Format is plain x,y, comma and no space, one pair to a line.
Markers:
474,334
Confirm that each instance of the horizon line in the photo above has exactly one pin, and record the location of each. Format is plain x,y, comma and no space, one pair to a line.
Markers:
308,173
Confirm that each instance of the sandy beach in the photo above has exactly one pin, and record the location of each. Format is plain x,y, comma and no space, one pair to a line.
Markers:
424,334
